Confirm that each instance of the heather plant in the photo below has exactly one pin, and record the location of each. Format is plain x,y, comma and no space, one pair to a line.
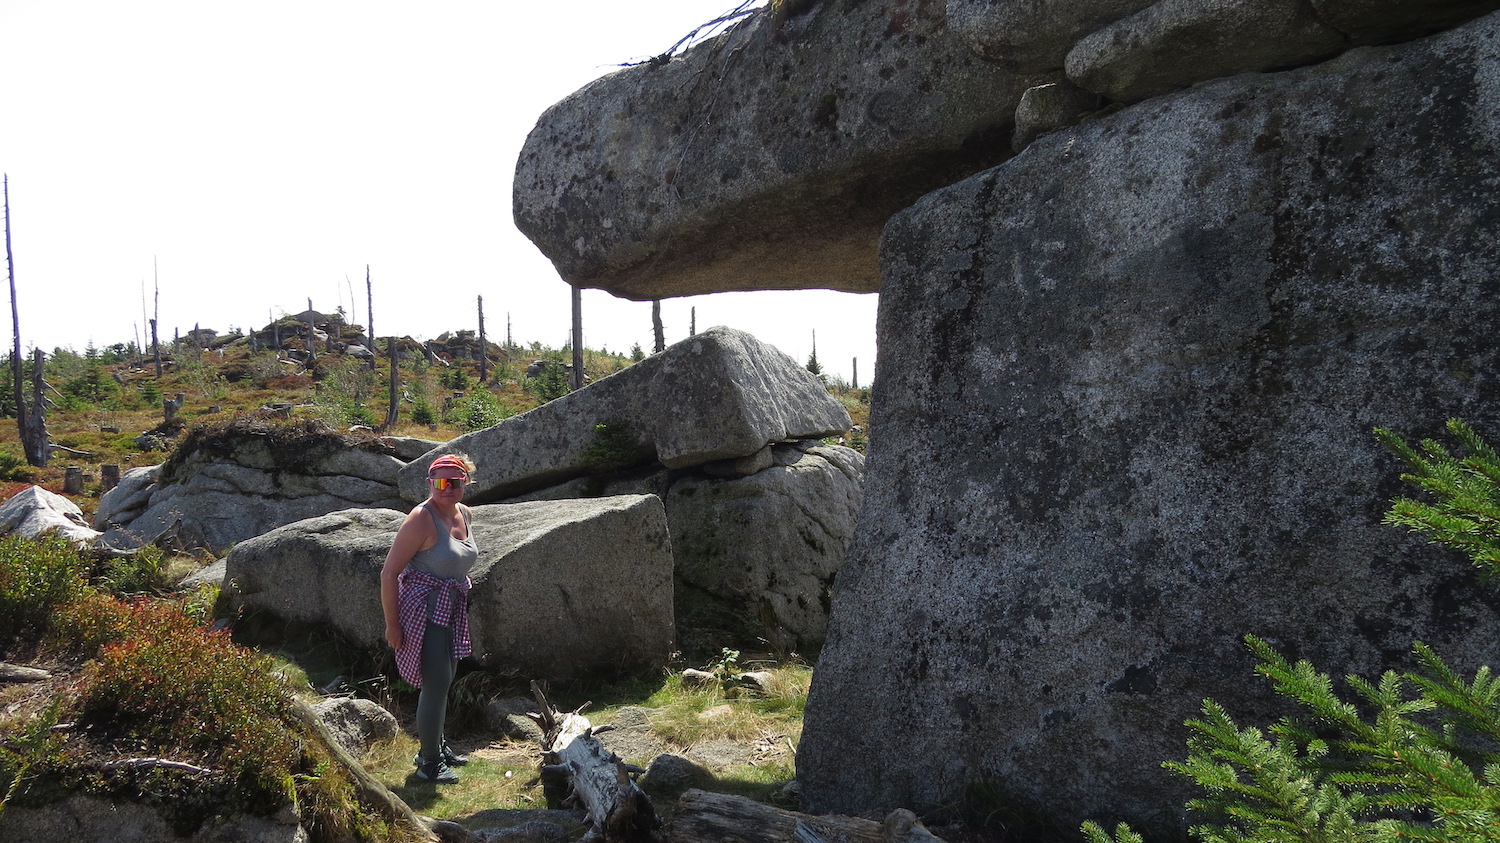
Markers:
171,686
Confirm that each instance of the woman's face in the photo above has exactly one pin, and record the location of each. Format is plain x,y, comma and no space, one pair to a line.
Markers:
452,480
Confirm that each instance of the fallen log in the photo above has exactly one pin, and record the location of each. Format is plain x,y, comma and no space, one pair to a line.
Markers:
704,817
598,781
368,789
21,673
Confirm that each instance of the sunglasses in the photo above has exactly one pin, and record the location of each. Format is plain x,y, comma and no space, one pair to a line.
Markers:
443,483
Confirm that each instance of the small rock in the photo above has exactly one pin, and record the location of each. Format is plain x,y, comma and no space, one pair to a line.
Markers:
694,678
670,775
508,717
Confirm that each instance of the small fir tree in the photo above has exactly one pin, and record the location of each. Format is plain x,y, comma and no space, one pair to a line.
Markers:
1414,756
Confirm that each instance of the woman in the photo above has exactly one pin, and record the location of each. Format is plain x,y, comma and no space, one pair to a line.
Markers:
424,590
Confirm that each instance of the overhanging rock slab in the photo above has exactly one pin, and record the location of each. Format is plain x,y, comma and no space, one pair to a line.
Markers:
767,158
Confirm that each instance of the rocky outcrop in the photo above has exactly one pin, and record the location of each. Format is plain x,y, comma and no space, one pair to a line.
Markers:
1126,387
229,483
756,543
1174,43
89,818
1128,50
766,158
561,589
719,395
34,512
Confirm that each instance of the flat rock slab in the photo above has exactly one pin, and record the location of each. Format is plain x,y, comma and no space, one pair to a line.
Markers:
766,158
561,589
719,395
1126,391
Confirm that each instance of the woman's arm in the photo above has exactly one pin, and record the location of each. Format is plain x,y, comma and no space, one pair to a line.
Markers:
415,534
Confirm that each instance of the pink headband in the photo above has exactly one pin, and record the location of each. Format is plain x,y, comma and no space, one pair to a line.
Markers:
448,462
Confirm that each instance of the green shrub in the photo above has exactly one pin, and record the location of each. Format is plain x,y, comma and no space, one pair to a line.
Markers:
142,572
455,378
612,447
172,687
551,384
422,412
150,394
82,626
477,410
36,576
14,467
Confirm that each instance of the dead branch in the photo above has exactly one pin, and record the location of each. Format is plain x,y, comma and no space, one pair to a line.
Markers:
155,764
367,788
704,817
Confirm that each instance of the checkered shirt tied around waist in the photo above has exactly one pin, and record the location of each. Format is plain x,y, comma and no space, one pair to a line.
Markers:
451,610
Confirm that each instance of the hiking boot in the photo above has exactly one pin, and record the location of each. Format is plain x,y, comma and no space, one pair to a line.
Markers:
451,758
436,772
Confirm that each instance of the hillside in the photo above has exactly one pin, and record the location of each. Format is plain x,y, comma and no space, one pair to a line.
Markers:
104,400
108,410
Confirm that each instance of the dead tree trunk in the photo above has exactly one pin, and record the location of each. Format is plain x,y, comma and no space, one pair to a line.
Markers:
599,782
715,817
370,318
312,340
155,315
657,332
18,393
390,414
484,357
577,338
35,441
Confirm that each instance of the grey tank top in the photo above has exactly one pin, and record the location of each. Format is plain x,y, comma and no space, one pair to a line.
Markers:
449,558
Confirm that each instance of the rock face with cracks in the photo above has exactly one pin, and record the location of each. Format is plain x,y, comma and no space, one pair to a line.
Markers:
766,158
1124,402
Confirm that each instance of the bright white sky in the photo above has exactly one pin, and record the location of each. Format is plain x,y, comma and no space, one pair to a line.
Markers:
261,154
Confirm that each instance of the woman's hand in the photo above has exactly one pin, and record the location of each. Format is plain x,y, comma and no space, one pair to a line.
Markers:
394,636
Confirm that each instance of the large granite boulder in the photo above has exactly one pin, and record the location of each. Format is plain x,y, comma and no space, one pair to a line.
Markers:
34,512
766,158
755,551
1129,50
1174,43
561,589
227,483
1125,394
1033,36
719,395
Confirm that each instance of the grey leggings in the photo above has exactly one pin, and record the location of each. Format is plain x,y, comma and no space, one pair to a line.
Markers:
438,669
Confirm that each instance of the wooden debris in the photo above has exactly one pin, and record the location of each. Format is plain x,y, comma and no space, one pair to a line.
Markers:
618,811
704,817
367,788
20,673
